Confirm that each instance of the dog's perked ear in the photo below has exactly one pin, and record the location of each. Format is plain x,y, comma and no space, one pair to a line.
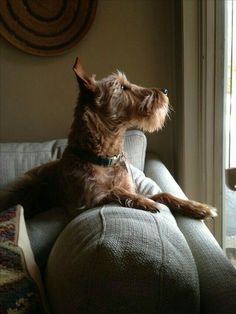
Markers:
83,78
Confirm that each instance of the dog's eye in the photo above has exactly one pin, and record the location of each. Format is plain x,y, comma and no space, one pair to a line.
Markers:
124,87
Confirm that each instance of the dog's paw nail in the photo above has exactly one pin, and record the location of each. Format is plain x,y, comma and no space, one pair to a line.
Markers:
213,211
208,212
156,210
153,209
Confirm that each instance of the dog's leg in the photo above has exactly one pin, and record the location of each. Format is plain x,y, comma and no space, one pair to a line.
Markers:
132,200
24,191
185,207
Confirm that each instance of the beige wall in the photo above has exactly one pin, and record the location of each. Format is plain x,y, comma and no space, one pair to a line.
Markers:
37,94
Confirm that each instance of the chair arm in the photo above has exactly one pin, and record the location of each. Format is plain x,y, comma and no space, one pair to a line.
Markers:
157,171
217,277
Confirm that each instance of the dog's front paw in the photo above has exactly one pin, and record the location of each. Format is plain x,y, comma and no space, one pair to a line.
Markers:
143,203
201,211
147,205
211,212
185,207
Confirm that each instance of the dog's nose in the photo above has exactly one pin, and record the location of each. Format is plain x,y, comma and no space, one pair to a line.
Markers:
164,91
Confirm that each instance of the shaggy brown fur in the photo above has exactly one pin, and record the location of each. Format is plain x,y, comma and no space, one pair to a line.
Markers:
105,109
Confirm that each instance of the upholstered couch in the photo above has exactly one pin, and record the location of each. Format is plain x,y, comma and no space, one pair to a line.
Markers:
109,259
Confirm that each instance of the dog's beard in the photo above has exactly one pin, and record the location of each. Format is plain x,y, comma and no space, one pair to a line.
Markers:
153,122
152,114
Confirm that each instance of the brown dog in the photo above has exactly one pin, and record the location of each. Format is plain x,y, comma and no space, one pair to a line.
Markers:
92,170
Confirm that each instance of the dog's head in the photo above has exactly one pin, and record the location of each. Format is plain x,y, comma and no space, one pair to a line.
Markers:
120,103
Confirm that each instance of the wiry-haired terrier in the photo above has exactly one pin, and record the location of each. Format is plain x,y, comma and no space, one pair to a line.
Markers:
92,170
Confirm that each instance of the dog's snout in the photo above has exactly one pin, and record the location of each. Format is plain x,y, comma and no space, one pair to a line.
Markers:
164,91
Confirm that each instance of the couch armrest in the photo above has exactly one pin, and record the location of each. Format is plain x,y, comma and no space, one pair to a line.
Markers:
158,172
217,277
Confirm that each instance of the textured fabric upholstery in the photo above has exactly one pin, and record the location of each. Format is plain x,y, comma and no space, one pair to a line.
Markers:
119,260
217,277
135,145
113,259
17,158
157,171
43,230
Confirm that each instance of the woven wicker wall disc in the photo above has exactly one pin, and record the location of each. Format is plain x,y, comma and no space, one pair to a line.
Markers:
45,27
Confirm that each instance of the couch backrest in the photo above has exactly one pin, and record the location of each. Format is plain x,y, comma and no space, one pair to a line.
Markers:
17,158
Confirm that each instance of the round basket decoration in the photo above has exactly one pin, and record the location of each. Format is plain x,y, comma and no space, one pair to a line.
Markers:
45,27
